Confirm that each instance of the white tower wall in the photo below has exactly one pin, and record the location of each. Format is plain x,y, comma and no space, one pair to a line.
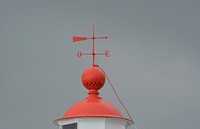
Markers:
95,123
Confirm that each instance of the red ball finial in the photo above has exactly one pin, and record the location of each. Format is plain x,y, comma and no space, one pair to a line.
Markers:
93,78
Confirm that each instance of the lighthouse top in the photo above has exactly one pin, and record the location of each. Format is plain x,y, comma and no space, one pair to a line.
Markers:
93,79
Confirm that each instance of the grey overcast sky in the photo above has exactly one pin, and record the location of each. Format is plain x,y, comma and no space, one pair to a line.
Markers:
154,63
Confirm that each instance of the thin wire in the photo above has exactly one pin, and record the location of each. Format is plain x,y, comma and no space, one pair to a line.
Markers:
120,101
118,98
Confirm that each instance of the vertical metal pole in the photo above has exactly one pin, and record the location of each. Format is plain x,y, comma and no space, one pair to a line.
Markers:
93,54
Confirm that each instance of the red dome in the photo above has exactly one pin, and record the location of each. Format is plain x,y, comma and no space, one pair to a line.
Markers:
93,107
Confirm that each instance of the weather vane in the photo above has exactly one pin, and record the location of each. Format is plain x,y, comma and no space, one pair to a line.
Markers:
93,53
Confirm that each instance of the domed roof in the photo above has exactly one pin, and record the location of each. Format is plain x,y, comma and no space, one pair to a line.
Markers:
93,107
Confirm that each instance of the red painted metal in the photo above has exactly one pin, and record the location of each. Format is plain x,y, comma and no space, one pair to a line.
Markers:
79,54
93,78
93,54
107,53
93,106
78,38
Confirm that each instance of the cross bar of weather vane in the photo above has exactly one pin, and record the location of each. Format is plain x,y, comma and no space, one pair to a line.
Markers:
93,53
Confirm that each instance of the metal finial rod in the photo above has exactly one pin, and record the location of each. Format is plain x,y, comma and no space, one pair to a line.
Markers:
93,38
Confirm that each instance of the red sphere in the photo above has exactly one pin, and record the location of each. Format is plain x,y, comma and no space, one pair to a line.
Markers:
93,78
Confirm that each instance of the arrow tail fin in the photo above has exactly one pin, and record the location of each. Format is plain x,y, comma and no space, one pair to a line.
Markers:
78,38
